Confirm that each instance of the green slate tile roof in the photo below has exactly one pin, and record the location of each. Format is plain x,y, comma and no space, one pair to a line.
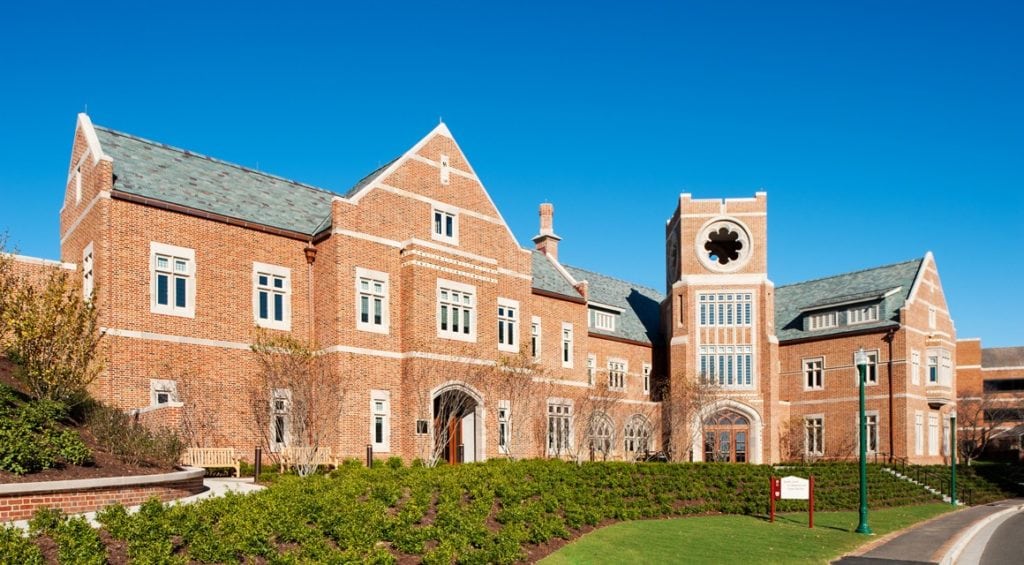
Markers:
546,277
641,306
1002,357
867,285
161,172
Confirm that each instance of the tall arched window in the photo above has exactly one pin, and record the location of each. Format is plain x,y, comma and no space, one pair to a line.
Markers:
726,434
599,435
637,435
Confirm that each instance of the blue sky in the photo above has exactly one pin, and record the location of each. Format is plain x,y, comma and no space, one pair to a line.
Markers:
880,130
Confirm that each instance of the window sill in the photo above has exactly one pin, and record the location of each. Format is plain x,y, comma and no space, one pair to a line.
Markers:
285,326
163,310
470,338
508,348
445,239
381,448
373,328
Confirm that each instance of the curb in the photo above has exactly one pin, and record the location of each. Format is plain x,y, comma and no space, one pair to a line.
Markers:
953,553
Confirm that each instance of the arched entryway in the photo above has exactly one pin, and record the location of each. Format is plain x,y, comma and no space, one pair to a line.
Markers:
727,437
458,425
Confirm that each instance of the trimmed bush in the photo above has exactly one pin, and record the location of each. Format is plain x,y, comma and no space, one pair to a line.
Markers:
32,437
130,441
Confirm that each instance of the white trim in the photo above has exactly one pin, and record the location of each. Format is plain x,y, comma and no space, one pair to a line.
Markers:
724,279
169,309
449,249
443,259
645,376
537,352
919,277
625,372
450,271
803,365
426,161
383,396
680,340
385,326
81,216
980,367
85,124
571,345
856,369
163,385
561,270
368,237
41,262
88,271
807,450
702,236
473,308
446,212
286,317
605,306
754,444
135,334
562,382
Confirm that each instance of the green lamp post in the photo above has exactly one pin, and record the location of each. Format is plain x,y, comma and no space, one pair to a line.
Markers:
861,360
952,457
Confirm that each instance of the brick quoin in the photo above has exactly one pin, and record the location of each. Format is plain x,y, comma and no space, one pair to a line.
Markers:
386,225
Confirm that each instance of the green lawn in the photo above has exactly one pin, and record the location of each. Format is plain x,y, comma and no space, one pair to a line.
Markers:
730,539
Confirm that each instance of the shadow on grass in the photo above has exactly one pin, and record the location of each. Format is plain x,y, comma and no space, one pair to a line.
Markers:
799,520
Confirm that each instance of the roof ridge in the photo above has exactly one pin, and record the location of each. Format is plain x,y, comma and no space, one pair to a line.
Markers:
879,267
1003,347
215,160
611,277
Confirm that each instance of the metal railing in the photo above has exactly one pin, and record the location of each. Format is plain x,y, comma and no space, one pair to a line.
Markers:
940,480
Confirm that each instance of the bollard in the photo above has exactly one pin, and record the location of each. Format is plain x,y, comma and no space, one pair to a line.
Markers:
462,453
257,465
369,455
591,453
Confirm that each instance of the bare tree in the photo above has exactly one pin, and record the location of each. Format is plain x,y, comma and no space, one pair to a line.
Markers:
200,426
51,333
594,422
793,440
978,422
686,403
519,386
298,399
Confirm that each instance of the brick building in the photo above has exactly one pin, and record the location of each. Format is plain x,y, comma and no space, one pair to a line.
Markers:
990,392
416,290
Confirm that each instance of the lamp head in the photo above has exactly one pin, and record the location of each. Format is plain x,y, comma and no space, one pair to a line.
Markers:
860,358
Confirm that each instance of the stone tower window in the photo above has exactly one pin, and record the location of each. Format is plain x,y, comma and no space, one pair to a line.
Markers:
723,245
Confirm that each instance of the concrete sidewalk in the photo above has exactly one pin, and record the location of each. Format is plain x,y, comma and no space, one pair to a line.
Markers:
214,487
938,540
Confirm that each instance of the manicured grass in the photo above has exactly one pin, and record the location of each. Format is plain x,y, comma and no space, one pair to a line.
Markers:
735,539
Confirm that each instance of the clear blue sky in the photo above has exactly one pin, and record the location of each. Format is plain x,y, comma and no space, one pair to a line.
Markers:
880,130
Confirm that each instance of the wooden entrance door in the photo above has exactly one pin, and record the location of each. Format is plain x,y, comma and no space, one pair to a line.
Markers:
726,437
454,439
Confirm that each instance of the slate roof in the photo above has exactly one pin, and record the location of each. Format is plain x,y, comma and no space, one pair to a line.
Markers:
546,277
1002,357
369,178
791,300
168,174
641,316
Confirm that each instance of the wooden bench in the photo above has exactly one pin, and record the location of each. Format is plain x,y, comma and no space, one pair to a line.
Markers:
295,456
212,458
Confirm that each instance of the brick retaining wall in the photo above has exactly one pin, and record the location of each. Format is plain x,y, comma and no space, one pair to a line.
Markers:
19,501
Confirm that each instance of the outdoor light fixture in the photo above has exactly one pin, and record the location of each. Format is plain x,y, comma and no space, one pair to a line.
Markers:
861,360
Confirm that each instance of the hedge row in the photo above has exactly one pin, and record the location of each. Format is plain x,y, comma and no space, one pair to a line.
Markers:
479,513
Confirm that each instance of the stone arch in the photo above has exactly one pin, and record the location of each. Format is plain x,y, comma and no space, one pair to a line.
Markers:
457,412
755,446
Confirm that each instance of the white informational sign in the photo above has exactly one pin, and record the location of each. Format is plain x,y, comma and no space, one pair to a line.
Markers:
795,488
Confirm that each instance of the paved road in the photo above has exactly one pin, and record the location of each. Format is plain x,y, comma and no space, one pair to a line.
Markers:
1006,546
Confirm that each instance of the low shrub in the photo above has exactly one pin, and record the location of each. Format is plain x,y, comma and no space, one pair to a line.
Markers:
33,436
131,442
16,548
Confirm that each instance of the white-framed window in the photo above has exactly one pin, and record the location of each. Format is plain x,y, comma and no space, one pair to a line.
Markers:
730,366
373,312
862,314
445,224
814,434
559,426
504,431
88,283
870,371
163,392
647,378
616,374
380,420
599,434
933,434
280,418
567,345
725,308
600,320
271,296
871,424
591,368
945,436
445,169
508,325
637,434
172,280
822,321
78,184
940,367
918,432
535,337
456,310
915,367
814,374
931,317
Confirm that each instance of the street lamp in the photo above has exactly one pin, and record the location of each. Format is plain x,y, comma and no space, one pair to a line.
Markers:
952,457
861,360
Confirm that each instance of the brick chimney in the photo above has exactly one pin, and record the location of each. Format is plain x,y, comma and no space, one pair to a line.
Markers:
546,241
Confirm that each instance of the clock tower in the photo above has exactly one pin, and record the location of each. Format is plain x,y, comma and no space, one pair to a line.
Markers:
720,319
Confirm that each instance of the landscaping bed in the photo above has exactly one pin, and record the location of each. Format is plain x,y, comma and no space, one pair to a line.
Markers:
494,512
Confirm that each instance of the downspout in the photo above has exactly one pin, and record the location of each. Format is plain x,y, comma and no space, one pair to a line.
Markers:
889,338
310,258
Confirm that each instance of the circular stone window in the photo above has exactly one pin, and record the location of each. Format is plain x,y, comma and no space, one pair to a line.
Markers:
723,245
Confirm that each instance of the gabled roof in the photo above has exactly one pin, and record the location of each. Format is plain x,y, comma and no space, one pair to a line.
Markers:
176,176
369,178
640,319
867,285
992,357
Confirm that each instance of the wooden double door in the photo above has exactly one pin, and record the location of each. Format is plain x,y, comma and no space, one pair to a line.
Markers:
726,437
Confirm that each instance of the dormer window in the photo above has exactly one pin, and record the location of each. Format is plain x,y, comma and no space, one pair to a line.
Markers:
604,321
862,314
822,321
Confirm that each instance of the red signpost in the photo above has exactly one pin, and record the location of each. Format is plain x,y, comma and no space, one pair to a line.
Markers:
791,488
